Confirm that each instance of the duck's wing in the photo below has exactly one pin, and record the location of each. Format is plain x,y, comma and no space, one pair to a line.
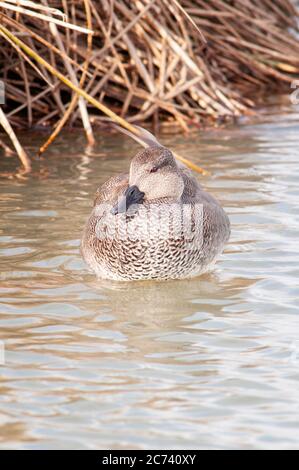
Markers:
112,189
193,191
216,225
191,186
107,194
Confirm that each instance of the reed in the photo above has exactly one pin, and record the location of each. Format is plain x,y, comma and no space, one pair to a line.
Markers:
179,61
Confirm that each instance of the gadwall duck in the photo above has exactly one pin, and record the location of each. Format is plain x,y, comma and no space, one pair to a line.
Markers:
156,222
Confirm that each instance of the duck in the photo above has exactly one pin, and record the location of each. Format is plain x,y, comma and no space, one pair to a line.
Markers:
154,222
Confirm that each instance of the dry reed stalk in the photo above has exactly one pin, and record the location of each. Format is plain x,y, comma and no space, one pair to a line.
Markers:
75,98
25,11
114,117
73,76
19,149
7,150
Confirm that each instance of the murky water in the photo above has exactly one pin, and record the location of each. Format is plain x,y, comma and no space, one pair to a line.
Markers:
205,363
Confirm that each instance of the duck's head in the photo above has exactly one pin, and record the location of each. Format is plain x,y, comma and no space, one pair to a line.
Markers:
154,176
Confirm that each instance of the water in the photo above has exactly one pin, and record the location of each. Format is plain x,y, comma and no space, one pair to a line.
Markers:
205,363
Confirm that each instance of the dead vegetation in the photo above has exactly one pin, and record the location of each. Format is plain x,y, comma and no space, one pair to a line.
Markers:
180,61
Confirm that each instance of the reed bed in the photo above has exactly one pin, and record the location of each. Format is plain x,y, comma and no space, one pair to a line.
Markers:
178,61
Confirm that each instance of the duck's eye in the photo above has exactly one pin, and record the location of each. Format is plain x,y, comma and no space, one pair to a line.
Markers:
154,169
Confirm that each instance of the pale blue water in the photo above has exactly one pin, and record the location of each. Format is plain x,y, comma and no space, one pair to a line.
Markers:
211,362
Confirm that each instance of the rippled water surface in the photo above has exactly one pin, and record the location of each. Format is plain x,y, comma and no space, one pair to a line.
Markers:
211,362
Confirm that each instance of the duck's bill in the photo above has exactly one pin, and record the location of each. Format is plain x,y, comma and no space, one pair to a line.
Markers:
131,196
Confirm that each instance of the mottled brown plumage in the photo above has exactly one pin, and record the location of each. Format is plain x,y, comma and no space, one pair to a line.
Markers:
173,230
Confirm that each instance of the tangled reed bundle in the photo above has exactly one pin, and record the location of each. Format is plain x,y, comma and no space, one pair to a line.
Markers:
180,61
